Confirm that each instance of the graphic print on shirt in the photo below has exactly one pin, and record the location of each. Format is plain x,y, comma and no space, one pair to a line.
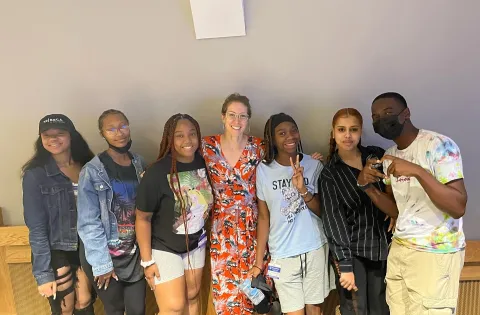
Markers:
124,194
292,203
197,197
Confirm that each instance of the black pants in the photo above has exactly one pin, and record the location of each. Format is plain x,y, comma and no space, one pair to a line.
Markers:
370,297
120,296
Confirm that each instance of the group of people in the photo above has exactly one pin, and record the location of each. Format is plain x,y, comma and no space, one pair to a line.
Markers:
110,226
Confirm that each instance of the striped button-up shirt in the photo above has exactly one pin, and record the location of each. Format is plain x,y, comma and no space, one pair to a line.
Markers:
353,224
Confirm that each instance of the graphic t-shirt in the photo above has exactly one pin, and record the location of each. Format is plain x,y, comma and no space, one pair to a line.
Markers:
294,229
420,224
125,254
193,195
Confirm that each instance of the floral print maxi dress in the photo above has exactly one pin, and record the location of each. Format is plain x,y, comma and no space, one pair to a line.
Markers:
234,222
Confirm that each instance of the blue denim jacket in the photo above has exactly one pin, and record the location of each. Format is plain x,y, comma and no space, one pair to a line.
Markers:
97,224
51,216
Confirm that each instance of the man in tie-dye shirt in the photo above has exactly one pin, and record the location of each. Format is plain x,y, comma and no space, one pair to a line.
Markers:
425,174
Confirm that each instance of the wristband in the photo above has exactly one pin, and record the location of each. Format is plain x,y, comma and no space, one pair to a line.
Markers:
364,187
307,201
146,264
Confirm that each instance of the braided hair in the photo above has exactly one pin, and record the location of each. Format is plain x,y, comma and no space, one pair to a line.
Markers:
269,136
167,147
342,113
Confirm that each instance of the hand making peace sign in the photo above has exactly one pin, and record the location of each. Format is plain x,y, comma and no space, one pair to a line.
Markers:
297,178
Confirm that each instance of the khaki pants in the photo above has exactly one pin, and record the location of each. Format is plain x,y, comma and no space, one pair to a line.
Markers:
422,283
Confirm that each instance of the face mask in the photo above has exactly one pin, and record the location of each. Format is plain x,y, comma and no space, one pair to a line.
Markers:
121,150
388,127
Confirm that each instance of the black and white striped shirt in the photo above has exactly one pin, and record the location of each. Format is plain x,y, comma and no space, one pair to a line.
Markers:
353,224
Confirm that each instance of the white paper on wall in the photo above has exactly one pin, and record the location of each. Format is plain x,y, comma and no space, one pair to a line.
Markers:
218,18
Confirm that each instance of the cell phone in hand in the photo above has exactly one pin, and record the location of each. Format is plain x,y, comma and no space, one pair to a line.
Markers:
377,166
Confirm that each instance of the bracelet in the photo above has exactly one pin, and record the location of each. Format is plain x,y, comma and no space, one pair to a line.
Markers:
364,187
258,268
307,201
304,194
146,264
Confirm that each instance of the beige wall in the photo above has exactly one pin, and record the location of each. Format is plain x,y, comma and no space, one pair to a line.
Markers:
306,57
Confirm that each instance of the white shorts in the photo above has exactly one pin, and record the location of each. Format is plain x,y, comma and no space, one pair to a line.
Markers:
304,279
172,266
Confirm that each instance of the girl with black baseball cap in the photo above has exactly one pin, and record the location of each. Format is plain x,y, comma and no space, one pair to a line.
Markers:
50,180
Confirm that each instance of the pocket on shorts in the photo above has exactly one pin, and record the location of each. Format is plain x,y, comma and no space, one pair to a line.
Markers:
436,306
444,263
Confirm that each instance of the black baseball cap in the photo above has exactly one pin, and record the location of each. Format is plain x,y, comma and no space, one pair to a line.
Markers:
55,121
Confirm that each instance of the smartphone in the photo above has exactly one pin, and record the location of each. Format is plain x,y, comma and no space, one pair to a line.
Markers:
377,166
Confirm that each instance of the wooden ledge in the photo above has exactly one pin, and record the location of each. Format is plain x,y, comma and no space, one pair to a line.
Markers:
472,253
470,273
471,268
14,236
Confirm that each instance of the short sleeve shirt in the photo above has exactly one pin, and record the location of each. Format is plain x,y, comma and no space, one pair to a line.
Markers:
180,213
420,224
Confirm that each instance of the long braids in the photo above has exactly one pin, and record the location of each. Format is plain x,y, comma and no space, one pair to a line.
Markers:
167,147
269,143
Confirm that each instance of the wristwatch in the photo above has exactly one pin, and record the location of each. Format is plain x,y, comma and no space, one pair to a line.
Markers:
146,264
364,187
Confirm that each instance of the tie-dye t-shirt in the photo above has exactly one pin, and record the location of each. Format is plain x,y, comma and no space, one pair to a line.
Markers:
420,224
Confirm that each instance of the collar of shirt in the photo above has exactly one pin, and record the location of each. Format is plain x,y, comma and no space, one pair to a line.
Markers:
365,151
51,168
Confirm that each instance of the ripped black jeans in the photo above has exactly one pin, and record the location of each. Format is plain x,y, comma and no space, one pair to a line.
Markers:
60,259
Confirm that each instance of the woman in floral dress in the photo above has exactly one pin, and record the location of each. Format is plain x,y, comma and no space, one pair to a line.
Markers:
231,160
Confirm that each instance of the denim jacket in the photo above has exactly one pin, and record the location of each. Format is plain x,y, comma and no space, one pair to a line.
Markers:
51,216
97,224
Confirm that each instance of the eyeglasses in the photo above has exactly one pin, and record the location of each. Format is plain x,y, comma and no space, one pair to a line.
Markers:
113,131
233,116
